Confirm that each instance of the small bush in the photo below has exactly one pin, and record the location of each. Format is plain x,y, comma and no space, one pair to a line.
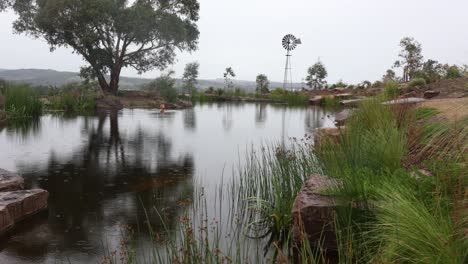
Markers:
74,98
377,84
219,91
22,102
391,90
330,102
453,72
417,82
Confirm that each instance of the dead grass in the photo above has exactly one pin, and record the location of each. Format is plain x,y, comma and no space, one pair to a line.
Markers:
452,109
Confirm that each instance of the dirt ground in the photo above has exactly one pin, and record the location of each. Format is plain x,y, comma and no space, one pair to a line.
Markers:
450,108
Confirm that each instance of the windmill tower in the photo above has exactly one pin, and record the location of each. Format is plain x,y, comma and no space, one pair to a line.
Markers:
290,42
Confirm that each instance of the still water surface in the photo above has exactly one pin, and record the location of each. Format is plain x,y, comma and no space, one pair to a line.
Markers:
103,171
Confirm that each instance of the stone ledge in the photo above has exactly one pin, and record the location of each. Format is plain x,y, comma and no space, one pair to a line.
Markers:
17,205
10,181
312,214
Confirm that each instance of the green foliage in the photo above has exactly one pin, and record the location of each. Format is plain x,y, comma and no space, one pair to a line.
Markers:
74,98
411,57
432,71
22,102
316,75
291,98
190,76
417,82
330,102
228,74
377,84
410,231
165,87
391,90
270,182
453,72
262,84
371,147
145,34
220,91
389,75
425,112
341,84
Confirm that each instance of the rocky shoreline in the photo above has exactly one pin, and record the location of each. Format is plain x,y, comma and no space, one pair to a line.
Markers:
17,204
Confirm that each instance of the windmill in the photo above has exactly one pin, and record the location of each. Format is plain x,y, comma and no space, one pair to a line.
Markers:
290,42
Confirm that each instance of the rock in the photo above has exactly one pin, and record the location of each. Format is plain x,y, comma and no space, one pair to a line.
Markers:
312,214
352,102
321,134
405,101
10,181
340,89
431,94
342,116
316,100
18,205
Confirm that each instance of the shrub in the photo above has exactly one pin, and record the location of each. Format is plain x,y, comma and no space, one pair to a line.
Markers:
165,87
377,84
74,98
341,84
453,72
417,82
391,90
330,101
22,102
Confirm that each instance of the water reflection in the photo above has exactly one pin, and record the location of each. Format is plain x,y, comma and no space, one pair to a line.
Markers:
116,169
107,183
260,114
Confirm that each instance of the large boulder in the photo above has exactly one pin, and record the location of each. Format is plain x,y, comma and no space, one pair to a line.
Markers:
18,205
333,133
429,94
343,116
352,102
10,181
312,214
316,100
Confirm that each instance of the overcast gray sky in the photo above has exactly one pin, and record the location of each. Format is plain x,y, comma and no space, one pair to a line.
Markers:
356,39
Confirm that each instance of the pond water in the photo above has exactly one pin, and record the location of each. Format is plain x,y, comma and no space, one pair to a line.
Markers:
103,171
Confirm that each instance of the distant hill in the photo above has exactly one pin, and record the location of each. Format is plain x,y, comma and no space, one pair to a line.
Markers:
38,77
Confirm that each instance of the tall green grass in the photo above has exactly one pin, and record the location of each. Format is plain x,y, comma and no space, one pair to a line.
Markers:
270,182
22,102
74,98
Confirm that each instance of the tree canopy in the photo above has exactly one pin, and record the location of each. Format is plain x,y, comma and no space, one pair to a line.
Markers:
316,75
228,74
190,76
113,34
411,58
262,83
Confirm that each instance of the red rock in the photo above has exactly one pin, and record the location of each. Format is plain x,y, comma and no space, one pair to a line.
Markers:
312,214
316,100
18,205
431,94
352,102
10,181
341,117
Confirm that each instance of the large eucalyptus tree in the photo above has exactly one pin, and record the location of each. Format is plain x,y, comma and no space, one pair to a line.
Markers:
112,34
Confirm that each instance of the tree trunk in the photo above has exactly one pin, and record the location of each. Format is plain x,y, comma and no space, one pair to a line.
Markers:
115,78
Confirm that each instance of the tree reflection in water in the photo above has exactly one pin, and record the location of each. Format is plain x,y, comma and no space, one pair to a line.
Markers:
109,182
